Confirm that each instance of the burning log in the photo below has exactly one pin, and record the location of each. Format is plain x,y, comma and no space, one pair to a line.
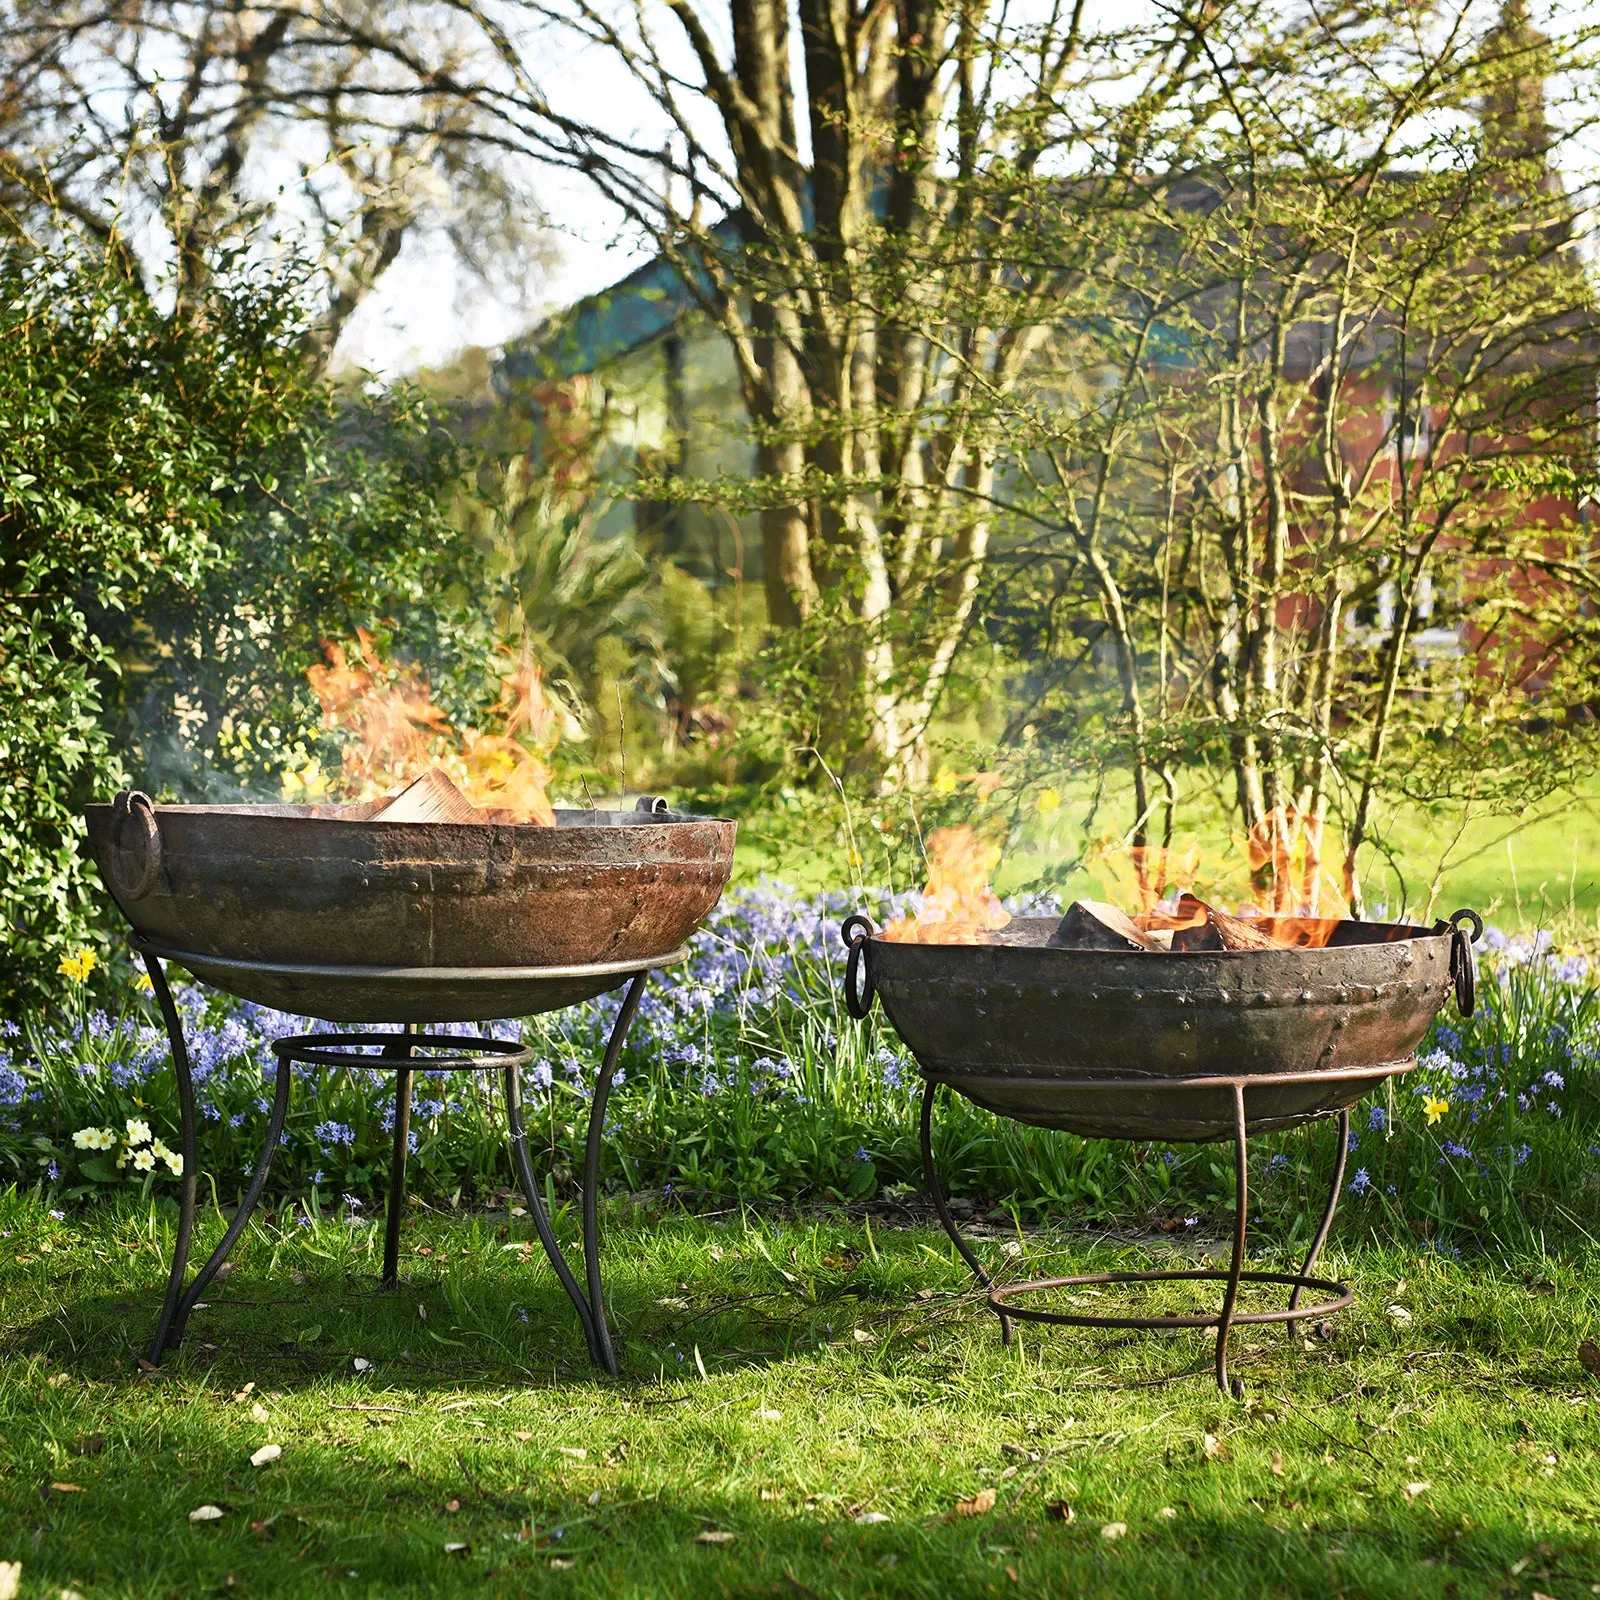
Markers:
1203,927
430,798
1094,925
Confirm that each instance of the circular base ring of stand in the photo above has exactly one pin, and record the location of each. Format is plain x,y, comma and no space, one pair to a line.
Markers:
398,1053
1001,1297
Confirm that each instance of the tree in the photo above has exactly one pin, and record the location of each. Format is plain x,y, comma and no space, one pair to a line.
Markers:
1343,373
168,131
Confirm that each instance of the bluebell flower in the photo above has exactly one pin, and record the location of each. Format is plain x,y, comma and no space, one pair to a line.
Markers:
861,1153
1377,1119
1359,1182
329,1134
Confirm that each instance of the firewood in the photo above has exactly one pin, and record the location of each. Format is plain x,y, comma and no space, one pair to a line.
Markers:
430,798
1093,925
1233,933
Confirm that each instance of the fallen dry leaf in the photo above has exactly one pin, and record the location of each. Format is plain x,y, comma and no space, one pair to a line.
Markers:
1589,1355
457,1548
258,1413
715,1536
207,1514
1011,1573
522,1436
242,1394
10,1579
67,1488
978,1505
452,1505
561,1564
1215,1448
1113,1530
861,1336
868,1518
1060,1510
1277,1463
1412,1490
268,1452
767,1414
361,1364
1167,1513
574,1452
1399,1316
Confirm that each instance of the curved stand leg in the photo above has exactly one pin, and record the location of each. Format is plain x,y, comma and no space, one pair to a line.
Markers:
1327,1215
930,1175
188,1187
591,1171
1241,1221
541,1218
247,1205
591,1307
401,1048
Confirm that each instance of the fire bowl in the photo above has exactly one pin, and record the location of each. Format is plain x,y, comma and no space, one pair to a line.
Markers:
319,910
1110,1044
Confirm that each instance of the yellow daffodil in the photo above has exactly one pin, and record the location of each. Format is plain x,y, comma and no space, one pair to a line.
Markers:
1048,800
142,983
79,964
1433,1109
143,1160
138,1131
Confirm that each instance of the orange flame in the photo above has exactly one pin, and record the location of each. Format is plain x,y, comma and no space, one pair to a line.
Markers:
958,905
1276,878
396,733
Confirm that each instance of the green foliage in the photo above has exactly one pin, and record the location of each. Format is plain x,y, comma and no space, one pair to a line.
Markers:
185,510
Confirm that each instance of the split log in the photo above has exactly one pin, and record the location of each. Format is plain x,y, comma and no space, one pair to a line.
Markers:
430,798
1206,928
1094,925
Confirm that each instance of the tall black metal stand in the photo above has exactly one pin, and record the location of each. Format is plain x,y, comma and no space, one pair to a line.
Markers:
399,1053
1002,1299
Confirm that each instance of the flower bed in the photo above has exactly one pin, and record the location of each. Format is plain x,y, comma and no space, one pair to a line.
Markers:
744,1078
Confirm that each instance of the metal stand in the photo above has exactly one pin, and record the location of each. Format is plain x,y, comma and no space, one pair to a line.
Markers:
345,1050
1002,1299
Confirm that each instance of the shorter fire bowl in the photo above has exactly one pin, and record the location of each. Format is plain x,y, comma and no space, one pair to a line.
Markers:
1110,1044
1176,1046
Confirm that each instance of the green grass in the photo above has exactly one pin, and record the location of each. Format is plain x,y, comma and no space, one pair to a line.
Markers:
847,1371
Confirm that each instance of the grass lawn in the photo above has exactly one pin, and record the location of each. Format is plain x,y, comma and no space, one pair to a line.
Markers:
804,1405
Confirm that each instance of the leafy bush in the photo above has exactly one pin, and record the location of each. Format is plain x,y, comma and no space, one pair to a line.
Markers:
744,1078
184,510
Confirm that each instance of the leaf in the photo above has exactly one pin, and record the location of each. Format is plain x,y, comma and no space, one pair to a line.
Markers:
979,1505
67,1488
1061,1511
1412,1490
1215,1449
10,1579
867,1519
457,1548
1589,1355
243,1394
1277,1463
1398,1315
572,1452
258,1413
1113,1530
361,1364
715,1536
207,1514
268,1452
767,1414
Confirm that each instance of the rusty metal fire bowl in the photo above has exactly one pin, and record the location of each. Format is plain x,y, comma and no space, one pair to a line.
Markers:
1179,1046
328,912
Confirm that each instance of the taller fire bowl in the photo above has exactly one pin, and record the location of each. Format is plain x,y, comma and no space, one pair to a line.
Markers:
1029,1032
316,909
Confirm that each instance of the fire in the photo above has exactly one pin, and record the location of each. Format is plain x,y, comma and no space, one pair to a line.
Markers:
1276,878
958,906
395,733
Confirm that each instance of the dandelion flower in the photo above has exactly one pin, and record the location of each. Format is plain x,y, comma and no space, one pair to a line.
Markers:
143,1160
1048,800
138,1131
1433,1109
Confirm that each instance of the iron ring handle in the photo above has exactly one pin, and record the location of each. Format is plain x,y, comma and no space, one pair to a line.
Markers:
1463,966
859,989
130,803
